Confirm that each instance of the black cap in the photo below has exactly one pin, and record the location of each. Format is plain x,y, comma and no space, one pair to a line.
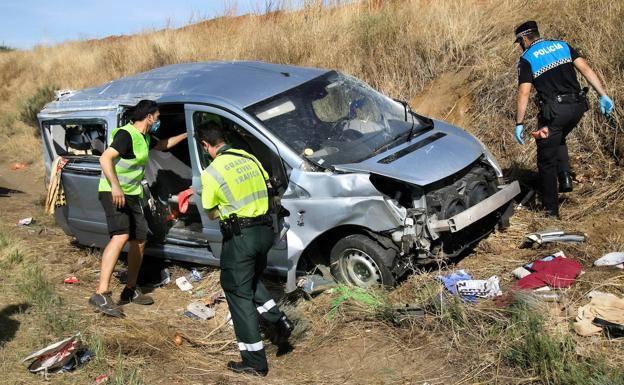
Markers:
525,28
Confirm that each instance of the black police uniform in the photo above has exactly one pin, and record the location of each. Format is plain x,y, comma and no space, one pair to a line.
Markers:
548,65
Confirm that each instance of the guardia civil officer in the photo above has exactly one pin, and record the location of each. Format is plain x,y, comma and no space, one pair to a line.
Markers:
550,66
120,191
234,189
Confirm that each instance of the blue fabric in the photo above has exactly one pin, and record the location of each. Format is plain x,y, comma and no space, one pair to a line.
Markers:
450,283
546,55
518,133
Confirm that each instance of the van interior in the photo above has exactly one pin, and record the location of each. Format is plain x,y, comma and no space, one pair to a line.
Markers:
168,173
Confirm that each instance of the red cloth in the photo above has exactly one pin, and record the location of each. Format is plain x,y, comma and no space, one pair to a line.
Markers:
183,200
557,273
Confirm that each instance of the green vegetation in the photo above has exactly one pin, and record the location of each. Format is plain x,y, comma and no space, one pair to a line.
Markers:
31,106
552,358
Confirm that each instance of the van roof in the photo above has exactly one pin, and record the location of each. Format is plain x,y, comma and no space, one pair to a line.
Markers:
241,83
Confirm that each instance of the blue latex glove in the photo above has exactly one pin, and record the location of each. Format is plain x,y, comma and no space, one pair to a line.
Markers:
518,133
606,105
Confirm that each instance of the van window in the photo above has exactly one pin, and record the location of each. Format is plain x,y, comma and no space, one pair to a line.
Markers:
76,137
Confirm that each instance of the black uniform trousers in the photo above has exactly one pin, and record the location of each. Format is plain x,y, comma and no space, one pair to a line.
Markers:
243,260
552,152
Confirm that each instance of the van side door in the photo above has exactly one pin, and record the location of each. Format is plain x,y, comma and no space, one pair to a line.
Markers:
240,134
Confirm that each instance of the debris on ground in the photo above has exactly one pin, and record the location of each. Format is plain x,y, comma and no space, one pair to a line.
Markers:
315,284
481,288
199,310
57,356
18,166
611,259
450,283
184,284
537,239
611,330
555,272
72,279
25,221
606,307
407,312
178,339
101,379
194,275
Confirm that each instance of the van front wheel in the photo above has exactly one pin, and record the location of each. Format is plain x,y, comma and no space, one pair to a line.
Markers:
361,261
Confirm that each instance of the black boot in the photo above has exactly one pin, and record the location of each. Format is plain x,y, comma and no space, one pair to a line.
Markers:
243,368
284,328
565,181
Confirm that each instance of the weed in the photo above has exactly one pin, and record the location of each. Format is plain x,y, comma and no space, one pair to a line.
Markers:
124,375
553,359
15,258
38,291
31,106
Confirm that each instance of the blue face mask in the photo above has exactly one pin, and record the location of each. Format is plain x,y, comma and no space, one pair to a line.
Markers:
155,127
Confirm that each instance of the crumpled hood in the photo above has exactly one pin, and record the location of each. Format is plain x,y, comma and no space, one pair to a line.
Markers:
425,159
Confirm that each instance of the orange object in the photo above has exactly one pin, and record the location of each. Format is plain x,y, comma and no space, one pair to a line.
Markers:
18,166
71,279
183,200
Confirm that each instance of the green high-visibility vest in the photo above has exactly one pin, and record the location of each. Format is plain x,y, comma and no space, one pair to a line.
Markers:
236,183
130,172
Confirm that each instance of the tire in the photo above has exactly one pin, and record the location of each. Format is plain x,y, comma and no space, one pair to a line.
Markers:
360,261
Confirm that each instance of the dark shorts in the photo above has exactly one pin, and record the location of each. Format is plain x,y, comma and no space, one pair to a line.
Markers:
126,220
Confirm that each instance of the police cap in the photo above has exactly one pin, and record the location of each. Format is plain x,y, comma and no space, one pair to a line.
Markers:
525,28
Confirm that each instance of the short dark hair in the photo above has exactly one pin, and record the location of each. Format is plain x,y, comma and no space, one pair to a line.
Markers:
142,109
532,35
210,132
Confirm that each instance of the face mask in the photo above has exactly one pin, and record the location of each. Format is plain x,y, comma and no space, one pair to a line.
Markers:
155,127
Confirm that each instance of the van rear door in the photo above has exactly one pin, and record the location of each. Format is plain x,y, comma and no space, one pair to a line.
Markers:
80,137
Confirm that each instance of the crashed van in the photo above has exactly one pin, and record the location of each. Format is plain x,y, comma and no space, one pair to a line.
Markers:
367,186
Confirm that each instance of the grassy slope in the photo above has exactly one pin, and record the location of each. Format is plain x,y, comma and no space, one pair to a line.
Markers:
400,48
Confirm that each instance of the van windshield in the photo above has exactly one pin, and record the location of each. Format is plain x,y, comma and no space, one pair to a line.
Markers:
336,119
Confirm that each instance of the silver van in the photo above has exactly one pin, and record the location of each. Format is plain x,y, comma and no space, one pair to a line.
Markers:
367,186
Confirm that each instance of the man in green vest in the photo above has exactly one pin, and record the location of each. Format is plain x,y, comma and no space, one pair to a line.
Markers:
235,189
120,192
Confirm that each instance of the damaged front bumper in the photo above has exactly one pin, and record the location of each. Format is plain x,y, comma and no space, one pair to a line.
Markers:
476,212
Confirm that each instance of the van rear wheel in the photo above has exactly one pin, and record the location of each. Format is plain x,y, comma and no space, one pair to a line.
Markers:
361,261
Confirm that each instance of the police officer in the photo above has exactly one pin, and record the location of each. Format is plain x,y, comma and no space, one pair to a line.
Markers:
550,66
234,189
120,191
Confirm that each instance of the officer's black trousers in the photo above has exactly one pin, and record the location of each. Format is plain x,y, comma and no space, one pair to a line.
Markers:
243,260
552,152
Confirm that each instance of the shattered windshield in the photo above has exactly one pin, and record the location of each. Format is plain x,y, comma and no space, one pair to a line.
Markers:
336,119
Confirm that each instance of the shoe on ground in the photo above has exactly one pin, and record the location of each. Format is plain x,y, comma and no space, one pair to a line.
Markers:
284,328
104,303
243,368
565,182
134,295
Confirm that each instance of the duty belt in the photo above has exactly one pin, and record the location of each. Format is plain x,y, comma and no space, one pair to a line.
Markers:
575,97
233,224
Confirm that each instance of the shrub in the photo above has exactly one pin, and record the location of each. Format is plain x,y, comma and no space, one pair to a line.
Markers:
31,106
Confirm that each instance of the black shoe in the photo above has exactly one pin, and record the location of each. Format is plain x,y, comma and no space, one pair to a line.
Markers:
104,304
554,214
283,328
565,182
134,295
243,368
